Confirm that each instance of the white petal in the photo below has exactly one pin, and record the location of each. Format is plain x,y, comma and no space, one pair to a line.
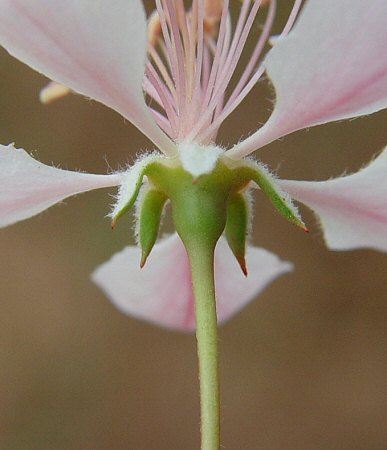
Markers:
352,209
331,66
161,292
28,186
94,47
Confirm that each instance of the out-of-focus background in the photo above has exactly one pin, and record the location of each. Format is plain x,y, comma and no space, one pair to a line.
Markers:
303,367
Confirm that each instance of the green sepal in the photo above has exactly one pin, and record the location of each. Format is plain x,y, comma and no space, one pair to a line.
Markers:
130,187
280,199
236,227
151,210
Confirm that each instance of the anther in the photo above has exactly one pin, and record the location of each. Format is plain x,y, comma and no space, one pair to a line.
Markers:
154,28
53,91
212,15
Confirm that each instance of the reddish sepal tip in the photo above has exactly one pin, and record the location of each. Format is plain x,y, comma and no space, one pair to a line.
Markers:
243,266
143,261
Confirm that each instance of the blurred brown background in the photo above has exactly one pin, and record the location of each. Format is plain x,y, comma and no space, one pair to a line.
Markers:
303,367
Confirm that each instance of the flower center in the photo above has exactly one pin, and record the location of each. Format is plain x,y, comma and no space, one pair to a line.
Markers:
192,57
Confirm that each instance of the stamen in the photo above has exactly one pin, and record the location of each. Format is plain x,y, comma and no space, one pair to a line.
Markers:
163,94
257,51
247,145
163,71
193,56
292,17
238,31
162,122
243,87
151,91
199,51
170,53
183,26
221,50
234,58
206,66
176,39
193,37
242,31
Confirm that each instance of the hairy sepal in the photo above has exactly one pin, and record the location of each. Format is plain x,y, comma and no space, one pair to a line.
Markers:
129,189
199,204
151,210
237,227
280,199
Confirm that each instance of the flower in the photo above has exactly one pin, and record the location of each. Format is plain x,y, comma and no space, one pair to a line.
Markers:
330,65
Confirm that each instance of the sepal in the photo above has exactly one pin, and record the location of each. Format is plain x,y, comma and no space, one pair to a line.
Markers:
151,210
280,199
237,227
130,186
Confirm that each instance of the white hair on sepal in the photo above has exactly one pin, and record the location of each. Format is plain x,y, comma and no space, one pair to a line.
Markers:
130,179
273,177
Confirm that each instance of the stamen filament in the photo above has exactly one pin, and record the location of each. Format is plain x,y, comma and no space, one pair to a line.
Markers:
163,71
162,91
256,53
244,25
176,40
190,67
220,46
243,87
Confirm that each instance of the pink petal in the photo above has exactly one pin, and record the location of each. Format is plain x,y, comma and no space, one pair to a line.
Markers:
332,65
161,292
96,48
352,209
28,186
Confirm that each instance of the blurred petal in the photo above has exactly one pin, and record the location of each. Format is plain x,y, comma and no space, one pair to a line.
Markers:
352,209
94,47
235,290
28,186
161,292
331,66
